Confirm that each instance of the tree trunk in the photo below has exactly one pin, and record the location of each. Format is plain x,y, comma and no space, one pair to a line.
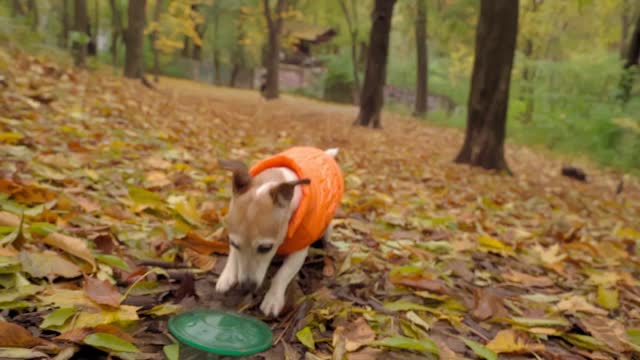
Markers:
196,53
353,32
633,53
65,24
35,17
135,39
274,27
16,8
496,35
186,47
422,59
116,31
80,24
216,49
626,23
96,28
633,56
153,37
375,77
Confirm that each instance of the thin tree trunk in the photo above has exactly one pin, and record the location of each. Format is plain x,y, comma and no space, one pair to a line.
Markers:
96,28
133,67
633,53
527,79
625,25
16,8
375,77
186,47
496,35
35,17
216,49
116,31
65,24
353,32
200,30
154,37
80,25
422,59
274,27
633,56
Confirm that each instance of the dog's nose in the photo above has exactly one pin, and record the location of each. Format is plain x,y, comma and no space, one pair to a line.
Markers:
248,286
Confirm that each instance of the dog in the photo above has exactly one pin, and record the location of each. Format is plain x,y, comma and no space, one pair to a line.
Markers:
282,205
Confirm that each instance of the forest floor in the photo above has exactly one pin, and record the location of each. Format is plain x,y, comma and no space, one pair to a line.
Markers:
111,204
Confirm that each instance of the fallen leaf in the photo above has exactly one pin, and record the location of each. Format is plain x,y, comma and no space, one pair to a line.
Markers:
188,211
480,350
171,351
200,261
510,341
102,292
609,331
608,297
526,279
486,304
14,335
71,245
21,353
109,343
405,343
434,285
206,247
492,244
156,180
576,304
356,334
305,336
57,317
48,264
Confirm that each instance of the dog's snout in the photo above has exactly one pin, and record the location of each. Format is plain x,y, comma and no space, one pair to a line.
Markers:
249,285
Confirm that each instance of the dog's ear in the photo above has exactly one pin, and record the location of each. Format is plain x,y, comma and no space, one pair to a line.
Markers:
283,193
241,176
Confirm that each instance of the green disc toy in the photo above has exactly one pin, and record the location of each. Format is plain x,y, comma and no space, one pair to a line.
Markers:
216,334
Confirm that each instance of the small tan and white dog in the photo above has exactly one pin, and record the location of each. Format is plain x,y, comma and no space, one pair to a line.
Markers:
280,206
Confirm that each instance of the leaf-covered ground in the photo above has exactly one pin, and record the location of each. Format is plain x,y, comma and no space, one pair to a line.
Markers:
110,222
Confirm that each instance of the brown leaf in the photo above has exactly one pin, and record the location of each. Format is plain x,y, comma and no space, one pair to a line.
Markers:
202,262
329,268
486,304
14,335
609,331
203,246
76,335
527,280
355,334
102,292
71,245
433,285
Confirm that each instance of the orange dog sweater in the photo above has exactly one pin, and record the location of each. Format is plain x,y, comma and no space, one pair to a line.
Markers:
319,200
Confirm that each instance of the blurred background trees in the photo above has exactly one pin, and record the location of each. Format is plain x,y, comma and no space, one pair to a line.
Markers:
573,85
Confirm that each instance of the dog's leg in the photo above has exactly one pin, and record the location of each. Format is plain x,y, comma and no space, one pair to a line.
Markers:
274,300
229,275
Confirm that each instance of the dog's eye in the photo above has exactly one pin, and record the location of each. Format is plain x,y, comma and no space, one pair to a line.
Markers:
265,248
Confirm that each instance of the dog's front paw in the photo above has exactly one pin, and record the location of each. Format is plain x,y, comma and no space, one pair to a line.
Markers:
226,282
273,303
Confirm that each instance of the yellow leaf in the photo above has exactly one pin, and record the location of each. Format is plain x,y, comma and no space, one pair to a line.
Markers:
10,137
492,244
71,245
508,341
608,297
